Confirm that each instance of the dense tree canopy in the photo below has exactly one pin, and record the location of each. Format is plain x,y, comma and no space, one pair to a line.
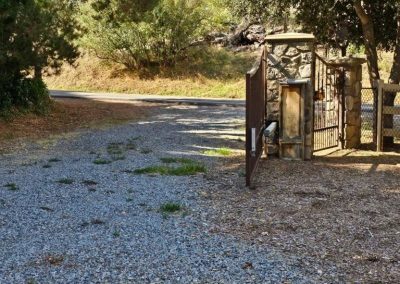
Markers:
337,23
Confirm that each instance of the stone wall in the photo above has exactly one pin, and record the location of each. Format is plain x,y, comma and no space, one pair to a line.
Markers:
290,57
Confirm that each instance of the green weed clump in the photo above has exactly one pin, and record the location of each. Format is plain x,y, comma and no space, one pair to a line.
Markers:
184,167
66,181
170,207
101,162
12,186
219,152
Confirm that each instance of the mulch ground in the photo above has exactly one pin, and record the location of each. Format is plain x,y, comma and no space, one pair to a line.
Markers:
341,211
68,115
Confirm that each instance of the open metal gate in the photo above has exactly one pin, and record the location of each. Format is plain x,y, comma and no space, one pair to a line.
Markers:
255,117
328,104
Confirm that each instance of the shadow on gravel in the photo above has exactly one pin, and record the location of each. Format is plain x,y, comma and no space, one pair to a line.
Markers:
335,211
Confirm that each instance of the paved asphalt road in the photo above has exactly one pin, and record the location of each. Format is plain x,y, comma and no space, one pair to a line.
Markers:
160,99
148,98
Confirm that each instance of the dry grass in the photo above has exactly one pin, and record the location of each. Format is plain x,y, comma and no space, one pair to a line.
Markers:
210,73
68,115
341,210
385,65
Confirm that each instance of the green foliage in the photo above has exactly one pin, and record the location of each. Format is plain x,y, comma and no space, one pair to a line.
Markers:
12,186
186,167
176,24
219,152
170,160
116,151
170,207
34,34
161,35
101,162
271,12
22,94
337,24
333,22
66,181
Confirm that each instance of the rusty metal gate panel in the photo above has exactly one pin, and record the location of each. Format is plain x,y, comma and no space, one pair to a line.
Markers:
328,105
255,117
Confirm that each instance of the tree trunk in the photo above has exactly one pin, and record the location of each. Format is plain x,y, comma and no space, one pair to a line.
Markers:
371,52
38,72
343,49
369,41
395,71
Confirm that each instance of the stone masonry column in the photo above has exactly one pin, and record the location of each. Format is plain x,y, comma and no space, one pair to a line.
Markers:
352,99
290,56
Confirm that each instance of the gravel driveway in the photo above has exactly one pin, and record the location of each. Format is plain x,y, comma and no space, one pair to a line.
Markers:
72,210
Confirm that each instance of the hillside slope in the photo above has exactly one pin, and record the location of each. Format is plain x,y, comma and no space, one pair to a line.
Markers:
213,72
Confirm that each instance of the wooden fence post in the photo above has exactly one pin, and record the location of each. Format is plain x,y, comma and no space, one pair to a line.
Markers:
379,138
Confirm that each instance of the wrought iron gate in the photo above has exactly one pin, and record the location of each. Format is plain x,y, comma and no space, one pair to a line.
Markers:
328,103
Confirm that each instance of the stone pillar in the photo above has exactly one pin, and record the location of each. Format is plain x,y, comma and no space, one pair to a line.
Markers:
352,99
290,57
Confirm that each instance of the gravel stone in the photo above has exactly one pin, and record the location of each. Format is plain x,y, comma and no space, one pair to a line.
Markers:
75,233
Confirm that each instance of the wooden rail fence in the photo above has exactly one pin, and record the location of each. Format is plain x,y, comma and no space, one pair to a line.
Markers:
383,90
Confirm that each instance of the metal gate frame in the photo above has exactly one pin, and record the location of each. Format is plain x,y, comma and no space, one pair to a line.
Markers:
255,116
328,106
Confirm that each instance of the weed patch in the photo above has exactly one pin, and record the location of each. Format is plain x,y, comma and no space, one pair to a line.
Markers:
89,182
116,234
170,160
182,170
131,145
116,151
54,260
11,186
146,151
219,152
66,181
97,222
101,162
170,207
45,208
162,170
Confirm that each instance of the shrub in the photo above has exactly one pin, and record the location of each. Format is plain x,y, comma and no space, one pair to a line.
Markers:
18,94
160,36
176,24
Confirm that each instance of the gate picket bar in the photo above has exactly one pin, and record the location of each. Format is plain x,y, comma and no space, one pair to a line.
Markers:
255,116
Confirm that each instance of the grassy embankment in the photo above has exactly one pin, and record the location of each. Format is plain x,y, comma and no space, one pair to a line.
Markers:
210,72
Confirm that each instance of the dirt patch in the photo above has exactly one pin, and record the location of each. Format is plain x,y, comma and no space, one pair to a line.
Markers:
68,115
338,211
